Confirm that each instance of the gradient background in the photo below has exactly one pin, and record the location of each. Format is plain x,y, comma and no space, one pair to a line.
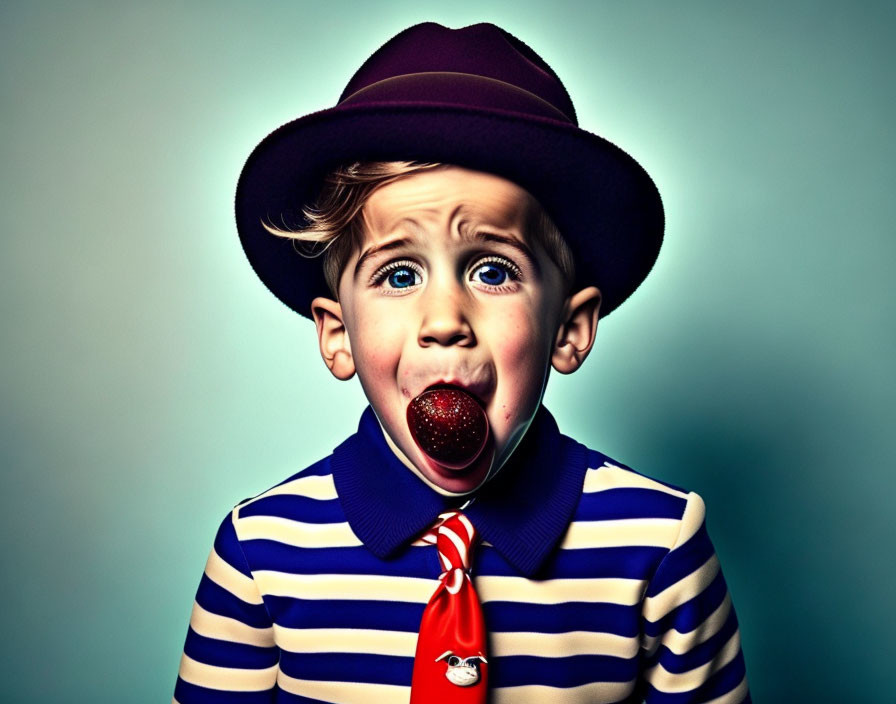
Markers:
149,381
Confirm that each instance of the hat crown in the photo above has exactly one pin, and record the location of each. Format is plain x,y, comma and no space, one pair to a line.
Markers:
483,50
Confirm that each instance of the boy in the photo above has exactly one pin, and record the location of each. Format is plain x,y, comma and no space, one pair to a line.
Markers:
457,548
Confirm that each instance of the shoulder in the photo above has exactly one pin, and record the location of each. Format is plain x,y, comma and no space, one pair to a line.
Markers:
607,474
291,512
618,496
313,482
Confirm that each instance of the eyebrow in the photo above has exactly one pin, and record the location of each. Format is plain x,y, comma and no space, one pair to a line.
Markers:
376,249
513,242
466,236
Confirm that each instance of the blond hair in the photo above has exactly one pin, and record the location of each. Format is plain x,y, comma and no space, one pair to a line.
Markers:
335,228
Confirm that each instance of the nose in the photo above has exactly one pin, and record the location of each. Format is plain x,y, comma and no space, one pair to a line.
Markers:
444,318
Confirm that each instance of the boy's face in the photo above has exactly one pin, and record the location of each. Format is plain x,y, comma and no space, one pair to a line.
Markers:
449,288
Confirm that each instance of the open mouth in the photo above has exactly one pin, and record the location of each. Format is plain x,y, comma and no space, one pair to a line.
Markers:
449,425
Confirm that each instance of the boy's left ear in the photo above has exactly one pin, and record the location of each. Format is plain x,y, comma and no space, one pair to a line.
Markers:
578,326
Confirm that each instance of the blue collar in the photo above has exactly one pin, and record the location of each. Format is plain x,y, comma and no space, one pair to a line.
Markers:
523,511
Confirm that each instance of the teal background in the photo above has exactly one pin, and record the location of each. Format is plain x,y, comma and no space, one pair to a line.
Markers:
149,381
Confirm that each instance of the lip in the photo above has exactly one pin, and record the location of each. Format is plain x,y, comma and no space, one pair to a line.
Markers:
479,390
473,373
454,385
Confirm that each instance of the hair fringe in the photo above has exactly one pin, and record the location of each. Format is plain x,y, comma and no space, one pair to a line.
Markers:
333,226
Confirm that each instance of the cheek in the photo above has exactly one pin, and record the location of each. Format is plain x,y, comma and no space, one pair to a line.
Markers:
521,352
522,336
379,359
376,347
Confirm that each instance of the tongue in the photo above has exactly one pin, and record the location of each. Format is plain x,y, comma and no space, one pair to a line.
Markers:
449,426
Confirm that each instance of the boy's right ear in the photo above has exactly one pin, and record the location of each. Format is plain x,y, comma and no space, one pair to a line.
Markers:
333,338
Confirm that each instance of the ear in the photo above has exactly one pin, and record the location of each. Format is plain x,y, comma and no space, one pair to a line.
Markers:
578,326
333,338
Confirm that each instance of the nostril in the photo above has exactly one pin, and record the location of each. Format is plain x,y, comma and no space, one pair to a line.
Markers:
457,335
445,340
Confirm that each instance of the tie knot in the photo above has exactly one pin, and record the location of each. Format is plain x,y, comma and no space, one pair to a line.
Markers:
455,535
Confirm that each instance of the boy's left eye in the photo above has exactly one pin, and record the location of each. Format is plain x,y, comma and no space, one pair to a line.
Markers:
494,271
490,274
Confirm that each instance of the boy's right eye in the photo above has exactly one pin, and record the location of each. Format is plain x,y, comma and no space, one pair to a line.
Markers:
402,278
398,275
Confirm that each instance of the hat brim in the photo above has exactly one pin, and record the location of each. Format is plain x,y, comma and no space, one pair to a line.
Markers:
604,203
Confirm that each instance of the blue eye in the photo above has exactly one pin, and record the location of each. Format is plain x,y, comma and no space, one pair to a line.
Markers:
403,277
491,274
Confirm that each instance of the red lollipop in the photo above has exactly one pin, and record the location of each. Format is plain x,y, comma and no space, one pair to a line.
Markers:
449,425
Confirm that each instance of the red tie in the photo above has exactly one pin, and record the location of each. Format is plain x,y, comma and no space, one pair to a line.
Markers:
450,664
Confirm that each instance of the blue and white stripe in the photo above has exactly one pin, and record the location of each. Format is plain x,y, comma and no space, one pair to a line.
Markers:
631,607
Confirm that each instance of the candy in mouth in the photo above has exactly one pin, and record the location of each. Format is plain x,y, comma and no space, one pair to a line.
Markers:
449,425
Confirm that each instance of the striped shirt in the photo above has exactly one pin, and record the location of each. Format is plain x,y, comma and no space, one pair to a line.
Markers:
597,585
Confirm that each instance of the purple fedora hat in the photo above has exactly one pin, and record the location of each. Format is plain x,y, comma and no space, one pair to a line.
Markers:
476,97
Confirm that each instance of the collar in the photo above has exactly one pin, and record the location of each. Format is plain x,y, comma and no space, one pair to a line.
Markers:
523,511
